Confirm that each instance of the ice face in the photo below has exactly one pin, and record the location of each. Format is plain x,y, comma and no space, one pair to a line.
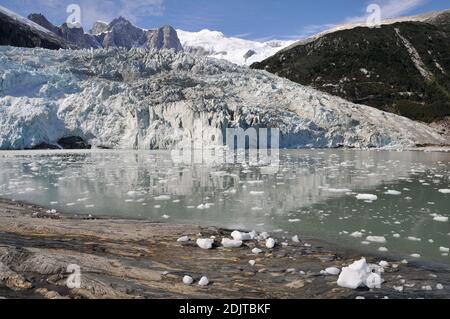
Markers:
139,99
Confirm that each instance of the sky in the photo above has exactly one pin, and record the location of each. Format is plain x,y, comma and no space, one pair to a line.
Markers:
249,19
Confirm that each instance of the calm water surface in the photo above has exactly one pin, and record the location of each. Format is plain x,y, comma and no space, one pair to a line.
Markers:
312,193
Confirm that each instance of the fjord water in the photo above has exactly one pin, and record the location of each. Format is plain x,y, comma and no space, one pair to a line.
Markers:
311,193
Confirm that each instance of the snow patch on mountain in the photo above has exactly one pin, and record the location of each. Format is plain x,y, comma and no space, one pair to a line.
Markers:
119,98
216,45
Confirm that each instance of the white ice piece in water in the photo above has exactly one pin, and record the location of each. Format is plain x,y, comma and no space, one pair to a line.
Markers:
252,262
295,239
204,281
333,271
188,280
384,264
231,243
237,235
355,275
205,243
183,239
376,239
440,218
373,281
393,192
264,235
444,191
256,251
444,250
270,243
369,197
162,198
356,234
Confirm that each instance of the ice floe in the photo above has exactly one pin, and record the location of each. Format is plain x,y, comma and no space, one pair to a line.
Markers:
376,239
367,197
204,281
357,275
231,243
188,280
205,243
270,243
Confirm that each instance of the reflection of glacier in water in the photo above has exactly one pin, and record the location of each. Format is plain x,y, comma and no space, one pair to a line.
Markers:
312,193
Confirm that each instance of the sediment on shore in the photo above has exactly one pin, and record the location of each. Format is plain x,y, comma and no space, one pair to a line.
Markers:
142,259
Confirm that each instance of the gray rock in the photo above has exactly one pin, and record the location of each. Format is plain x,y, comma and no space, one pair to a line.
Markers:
20,32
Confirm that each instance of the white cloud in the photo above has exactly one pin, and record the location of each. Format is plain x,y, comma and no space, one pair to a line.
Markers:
389,9
106,10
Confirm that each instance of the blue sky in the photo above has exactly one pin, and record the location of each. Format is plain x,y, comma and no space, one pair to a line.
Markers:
251,19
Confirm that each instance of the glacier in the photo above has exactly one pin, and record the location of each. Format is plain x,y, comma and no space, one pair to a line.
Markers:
146,99
215,44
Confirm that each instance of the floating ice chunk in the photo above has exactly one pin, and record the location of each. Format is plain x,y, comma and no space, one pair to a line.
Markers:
237,235
188,280
204,206
265,235
132,194
444,191
355,275
368,197
396,236
415,255
294,220
204,281
439,287
256,251
373,281
205,243
356,234
444,250
295,239
230,243
384,264
337,190
255,193
399,288
411,238
393,192
333,271
427,288
270,243
376,239
183,239
252,262
162,198
440,218
383,249
165,216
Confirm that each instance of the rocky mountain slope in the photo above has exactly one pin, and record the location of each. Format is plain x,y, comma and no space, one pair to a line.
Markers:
18,31
216,45
142,99
403,68
119,33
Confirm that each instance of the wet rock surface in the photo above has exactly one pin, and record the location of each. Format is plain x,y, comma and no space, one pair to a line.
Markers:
140,259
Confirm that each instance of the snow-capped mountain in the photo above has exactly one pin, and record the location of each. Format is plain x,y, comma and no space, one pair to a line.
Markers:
16,30
119,98
216,45
119,33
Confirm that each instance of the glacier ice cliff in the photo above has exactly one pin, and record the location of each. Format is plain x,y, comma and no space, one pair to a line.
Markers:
141,99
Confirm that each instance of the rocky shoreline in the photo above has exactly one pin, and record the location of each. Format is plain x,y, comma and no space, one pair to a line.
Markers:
141,259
